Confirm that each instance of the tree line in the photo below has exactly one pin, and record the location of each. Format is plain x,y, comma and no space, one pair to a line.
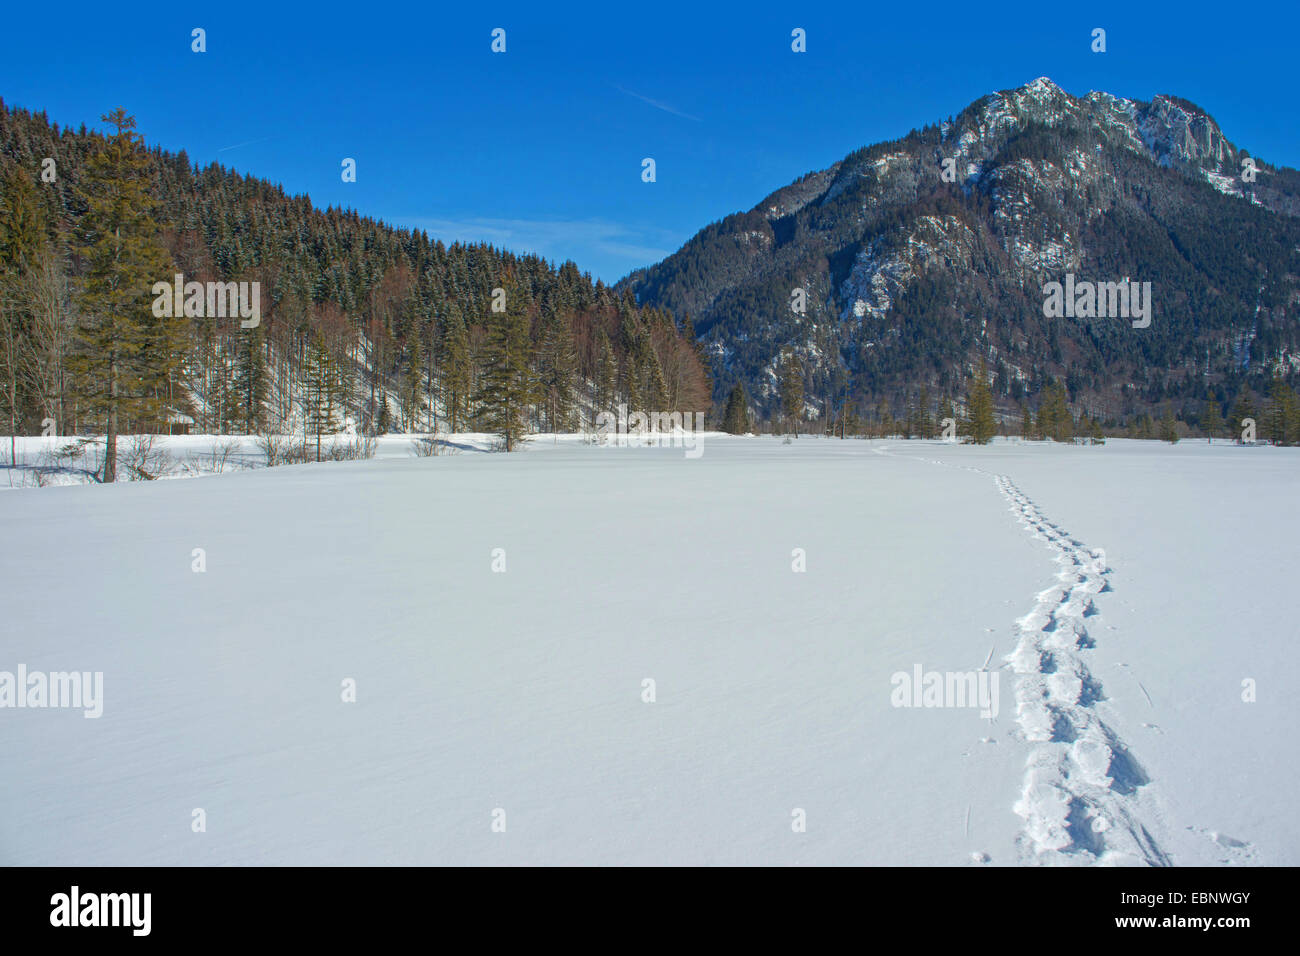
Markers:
984,410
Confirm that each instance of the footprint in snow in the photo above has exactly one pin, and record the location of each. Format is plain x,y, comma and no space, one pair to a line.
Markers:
1235,851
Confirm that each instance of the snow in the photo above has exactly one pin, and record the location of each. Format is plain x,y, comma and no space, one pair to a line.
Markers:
40,462
1224,184
1120,594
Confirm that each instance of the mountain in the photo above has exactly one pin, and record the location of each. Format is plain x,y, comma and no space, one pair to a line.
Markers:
911,280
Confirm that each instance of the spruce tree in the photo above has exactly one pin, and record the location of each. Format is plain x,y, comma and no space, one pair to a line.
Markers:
22,223
123,260
413,386
251,379
791,390
982,426
886,420
323,396
1242,409
1211,420
22,238
698,350
735,420
1169,427
656,389
556,369
947,411
1144,427
456,372
508,386
1282,413
912,424
1095,435
1054,419
633,381
606,373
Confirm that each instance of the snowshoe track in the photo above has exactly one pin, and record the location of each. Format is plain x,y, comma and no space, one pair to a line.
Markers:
1079,798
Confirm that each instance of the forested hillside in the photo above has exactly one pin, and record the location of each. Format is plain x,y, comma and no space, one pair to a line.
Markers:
888,277
362,326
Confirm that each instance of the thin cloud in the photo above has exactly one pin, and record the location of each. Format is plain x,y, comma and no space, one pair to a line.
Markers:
555,239
249,143
660,105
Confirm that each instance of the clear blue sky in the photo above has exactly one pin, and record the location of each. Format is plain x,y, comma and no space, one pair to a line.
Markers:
539,149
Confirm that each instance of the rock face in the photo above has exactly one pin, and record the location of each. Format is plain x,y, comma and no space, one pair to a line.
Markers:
921,256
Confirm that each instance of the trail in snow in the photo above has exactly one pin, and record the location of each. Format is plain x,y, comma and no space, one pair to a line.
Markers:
1080,797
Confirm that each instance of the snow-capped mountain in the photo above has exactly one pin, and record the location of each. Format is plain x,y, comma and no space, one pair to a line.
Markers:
918,257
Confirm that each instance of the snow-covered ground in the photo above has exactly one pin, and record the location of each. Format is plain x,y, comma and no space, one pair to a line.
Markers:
500,617
46,461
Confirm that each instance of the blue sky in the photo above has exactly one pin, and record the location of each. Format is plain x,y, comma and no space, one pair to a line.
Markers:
539,149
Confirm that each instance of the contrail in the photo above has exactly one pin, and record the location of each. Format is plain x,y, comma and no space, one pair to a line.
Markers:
659,105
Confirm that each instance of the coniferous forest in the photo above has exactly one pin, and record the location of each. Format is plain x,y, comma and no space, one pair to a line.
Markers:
362,327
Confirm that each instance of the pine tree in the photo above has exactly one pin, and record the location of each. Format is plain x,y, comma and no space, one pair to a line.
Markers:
1026,423
508,386
123,261
735,420
982,425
